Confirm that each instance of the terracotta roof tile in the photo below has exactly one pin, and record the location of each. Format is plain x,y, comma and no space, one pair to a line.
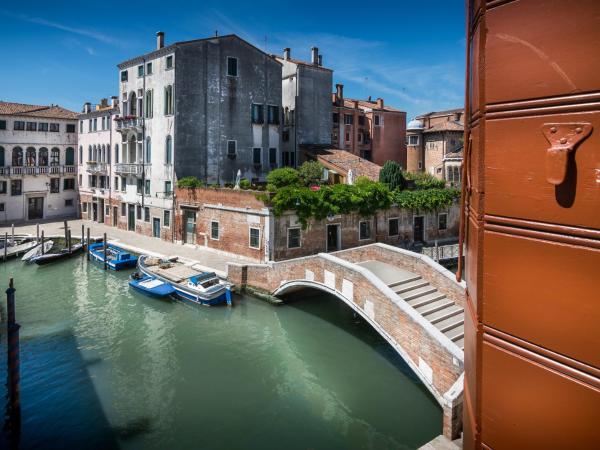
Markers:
50,112
343,161
366,104
445,126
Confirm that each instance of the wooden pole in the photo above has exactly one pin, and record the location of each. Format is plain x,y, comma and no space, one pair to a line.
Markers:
12,239
65,222
437,252
105,251
5,244
87,244
82,234
14,376
69,240
37,233
43,242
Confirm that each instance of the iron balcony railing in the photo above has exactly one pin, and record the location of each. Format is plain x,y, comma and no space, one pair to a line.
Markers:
126,123
36,170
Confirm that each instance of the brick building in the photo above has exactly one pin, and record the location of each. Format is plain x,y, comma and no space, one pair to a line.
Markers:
369,129
236,222
434,144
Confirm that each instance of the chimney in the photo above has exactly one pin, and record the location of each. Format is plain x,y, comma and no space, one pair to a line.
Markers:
286,53
339,89
380,103
314,59
320,60
114,101
160,40
456,117
103,102
87,107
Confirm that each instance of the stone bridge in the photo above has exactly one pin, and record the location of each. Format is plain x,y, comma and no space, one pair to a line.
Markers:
413,302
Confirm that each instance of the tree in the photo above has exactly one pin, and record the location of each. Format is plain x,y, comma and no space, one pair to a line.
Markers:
391,174
311,173
190,182
279,178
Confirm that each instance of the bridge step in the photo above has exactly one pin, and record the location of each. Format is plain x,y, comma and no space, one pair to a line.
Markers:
419,292
406,280
420,301
433,307
409,286
442,314
460,343
456,333
449,323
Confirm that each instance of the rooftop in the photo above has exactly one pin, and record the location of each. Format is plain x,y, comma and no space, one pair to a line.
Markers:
441,113
450,125
344,161
45,111
369,104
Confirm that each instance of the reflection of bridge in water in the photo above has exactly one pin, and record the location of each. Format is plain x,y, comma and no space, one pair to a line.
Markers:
414,303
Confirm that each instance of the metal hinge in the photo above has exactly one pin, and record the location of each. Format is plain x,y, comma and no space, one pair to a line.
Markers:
563,138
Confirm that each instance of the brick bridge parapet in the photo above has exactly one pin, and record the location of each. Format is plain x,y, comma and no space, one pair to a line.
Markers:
430,354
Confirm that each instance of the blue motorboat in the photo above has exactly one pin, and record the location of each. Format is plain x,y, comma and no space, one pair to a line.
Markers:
150,285
204,288
116,257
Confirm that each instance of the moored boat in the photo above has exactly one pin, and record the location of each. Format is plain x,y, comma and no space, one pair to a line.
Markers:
55,256
37,251
16,248
117,258
150,285
204,288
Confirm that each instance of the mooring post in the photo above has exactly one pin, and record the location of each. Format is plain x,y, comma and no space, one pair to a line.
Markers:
105,248
65,222
437,252
37,233
12,234
43,242
5,244
82,234
69,240
87,244
14,376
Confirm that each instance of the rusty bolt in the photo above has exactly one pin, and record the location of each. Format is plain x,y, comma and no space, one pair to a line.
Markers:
553,130
578,130
563,140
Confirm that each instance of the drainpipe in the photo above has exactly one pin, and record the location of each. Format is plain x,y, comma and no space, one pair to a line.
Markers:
296,121
143,133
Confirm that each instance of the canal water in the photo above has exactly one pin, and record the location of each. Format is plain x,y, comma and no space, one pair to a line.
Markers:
105,367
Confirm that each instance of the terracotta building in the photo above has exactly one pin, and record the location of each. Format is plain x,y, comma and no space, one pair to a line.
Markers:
434,144
368,128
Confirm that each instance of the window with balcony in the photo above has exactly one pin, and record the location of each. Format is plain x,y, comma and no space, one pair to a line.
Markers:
168,188
17,157
257,113
54,185
256,156
103,182
273,115
30,157
19,125
168,100
168,150
16,187
43,157
70,156
232,66
54,157
69,184
124,75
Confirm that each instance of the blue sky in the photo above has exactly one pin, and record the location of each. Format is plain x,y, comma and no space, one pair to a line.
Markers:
411,53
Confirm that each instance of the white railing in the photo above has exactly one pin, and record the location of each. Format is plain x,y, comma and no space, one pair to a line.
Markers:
131,169
442,252
36,170
135,122
96,167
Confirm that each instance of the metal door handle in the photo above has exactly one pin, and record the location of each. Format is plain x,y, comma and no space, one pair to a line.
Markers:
563,138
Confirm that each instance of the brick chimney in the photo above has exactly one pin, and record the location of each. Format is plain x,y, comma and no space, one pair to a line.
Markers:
380,103
287,53
114,101
160,40
339,91
314,59
103,102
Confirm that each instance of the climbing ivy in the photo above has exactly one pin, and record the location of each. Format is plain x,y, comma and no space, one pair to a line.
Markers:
426,200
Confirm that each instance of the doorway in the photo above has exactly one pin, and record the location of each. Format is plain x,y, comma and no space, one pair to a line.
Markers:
418,223
131,217
115,217
101,210
95,211
334,239
189,226
156,227
35,208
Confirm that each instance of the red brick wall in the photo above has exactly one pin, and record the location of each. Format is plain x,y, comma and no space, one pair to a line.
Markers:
389,140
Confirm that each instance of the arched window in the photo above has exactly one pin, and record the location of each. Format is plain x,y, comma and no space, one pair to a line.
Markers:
148,150
70,156
95,153
54,157
149,105
80,154
116,153
103,154
90,153
43,157
168,150
30,156
1,156
17,157
168,100
108,153
132,104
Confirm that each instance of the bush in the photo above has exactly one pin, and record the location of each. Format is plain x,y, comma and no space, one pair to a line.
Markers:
391,175
189,182
279,178
311,173
426,199
423,180
245,184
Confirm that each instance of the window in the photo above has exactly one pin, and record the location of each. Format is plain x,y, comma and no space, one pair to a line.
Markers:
214,230
169,62
413,140
420,165
293,237
361,120
149,68
257,113
149,105
167,219
147,187
16,187
69,202
139,212
377,120
2,124
19,125
124,75
54,157
92,181
453,175
107,210
140,186
167,188
146,214
273,115
442,221
17,157
116,153
123,209
348,119
80,179
364,230
30,157
55,127
393,227
2,187
43,126
80,154
123,184
169,100
54,185
169,150
70,156
68,184
232,66
360,137
1,156
116,183
148,150
336,117
256,156
81,126
31,126
70,128
347,137
84,207
231,149
141,71
254,238
273,157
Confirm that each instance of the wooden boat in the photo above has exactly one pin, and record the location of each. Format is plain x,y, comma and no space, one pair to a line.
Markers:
55,256
151,285
117,258
37,251
189,283
16,248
